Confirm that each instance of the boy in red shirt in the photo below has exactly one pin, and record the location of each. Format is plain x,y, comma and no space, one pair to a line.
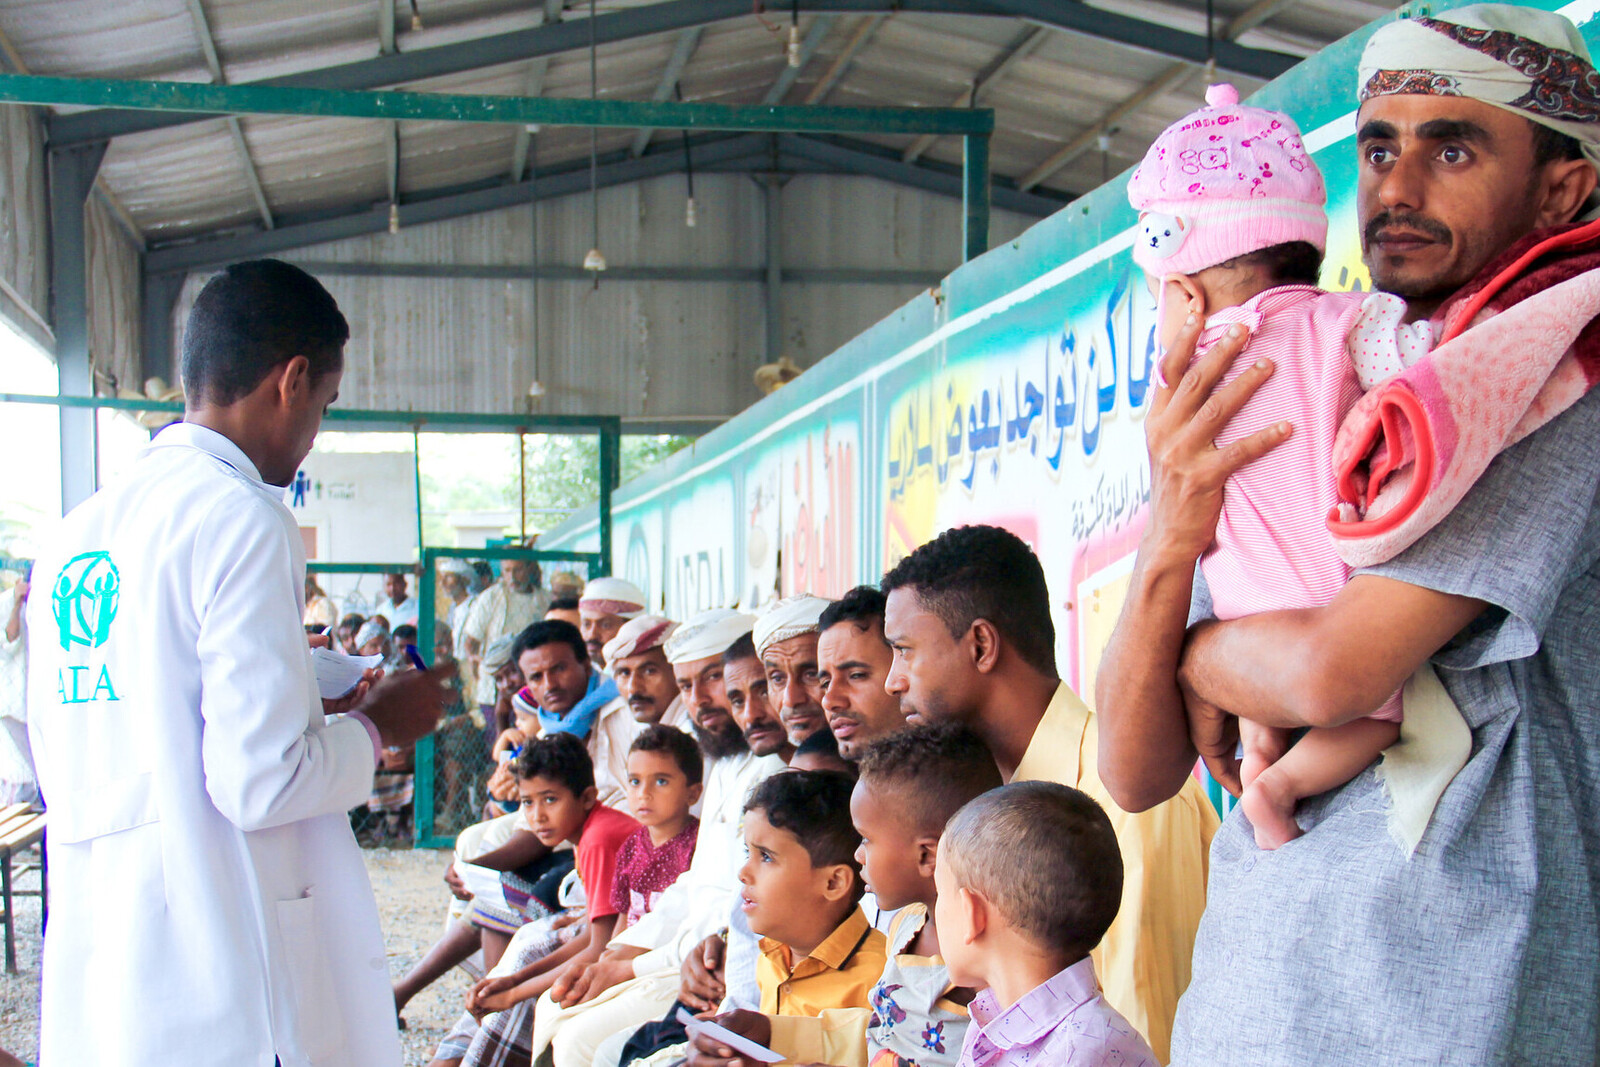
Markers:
555,777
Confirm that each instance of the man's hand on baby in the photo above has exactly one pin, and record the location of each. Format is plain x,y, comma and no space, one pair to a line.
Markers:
703,987
1187,412
1214,734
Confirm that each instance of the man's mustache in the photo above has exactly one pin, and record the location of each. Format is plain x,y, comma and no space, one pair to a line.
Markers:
1389,220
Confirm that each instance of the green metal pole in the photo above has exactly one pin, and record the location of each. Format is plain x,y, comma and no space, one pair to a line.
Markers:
975,196
517,110
610,478
422,829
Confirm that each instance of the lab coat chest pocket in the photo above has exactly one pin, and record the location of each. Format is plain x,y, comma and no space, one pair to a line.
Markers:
305,970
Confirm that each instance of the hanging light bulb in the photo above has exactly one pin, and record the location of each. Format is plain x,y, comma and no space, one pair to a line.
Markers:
535,389
394,217
689,215
1103,142
794,44
595,261
416,18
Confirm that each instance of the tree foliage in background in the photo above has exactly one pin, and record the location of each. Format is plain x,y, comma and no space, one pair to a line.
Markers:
563,475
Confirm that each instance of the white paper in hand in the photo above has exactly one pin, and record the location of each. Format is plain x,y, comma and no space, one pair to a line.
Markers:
741,1045
338,673
484,884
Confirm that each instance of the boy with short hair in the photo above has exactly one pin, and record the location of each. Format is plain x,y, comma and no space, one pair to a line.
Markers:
801,887
663,783
911,783
1029,879
560,802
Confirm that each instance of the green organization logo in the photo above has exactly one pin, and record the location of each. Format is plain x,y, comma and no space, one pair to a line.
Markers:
85,599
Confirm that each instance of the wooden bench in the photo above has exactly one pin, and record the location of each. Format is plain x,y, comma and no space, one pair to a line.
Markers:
20,829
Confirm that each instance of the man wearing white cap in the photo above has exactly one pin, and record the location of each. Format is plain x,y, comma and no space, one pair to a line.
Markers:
637,658
638,977
1477,136
786,640
606,604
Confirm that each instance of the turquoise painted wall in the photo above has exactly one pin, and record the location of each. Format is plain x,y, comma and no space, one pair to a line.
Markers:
1014,394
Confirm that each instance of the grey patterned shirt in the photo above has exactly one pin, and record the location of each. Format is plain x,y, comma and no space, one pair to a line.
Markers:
1484,947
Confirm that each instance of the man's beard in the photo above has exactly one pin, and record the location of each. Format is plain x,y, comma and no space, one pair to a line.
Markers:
717,746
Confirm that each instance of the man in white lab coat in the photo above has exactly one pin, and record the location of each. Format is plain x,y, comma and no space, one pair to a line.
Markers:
208,903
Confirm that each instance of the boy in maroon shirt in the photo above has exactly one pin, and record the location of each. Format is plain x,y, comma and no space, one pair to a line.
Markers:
664,772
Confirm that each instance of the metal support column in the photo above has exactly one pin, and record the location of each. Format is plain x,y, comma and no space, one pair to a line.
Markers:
157,358
774,282
975,196
610,478
71,173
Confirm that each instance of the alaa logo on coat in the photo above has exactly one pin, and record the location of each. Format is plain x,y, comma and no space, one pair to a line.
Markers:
85,599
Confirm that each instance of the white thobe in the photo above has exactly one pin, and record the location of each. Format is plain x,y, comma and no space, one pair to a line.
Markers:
208,902
609,740
405,613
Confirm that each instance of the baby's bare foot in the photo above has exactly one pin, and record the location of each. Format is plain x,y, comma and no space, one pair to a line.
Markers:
1269,805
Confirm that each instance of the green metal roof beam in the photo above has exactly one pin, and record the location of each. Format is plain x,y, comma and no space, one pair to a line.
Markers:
425,421
443,107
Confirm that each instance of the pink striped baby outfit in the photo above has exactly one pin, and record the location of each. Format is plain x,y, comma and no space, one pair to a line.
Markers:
1272,550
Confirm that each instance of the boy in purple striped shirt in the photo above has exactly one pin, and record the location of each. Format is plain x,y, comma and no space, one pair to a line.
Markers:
1029,878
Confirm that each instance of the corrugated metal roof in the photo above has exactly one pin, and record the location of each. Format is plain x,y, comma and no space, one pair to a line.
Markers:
188,180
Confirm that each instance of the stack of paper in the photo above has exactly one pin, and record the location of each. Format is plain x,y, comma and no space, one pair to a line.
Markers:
338,673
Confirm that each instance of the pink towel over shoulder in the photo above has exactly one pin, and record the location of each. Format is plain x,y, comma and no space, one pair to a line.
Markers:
1520,345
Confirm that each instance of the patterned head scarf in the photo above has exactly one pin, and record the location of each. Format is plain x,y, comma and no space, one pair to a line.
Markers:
1531,63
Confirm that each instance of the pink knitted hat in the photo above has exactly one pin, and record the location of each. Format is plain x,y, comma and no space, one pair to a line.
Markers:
1221,182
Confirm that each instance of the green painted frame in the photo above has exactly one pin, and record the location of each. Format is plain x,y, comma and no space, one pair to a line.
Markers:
974,125
423,799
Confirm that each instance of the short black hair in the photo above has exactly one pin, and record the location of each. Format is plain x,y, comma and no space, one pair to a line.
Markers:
823,743
549,632
1045,856
351,622
743,648
814,806
983,572
405,633
675,743
255,316
1290,263
560,757
935,769
482,569
1553,146
862,605
562,603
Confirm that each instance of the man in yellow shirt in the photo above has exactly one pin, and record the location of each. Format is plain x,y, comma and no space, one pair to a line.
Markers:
968,619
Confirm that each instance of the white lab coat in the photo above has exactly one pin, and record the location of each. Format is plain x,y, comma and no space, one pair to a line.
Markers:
208,902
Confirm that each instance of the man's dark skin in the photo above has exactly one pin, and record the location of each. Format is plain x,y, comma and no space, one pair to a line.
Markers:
745,682
647,683
1445,184
976,679
793,685
853,662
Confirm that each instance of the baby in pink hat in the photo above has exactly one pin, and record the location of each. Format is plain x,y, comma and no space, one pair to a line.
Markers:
1232,229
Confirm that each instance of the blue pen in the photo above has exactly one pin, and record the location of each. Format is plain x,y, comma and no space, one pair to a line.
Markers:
416,658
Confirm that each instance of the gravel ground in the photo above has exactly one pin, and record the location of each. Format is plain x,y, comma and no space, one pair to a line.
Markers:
411,901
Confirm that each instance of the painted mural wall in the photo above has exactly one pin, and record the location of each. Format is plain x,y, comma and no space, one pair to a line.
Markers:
1014,395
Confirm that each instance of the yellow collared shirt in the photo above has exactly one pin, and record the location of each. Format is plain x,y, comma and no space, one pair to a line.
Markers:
839,973
1143,961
